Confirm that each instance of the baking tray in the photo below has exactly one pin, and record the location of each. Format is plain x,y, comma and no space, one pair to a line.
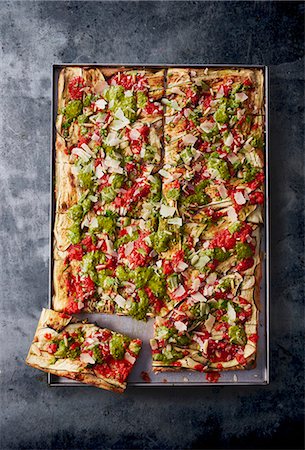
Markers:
135,329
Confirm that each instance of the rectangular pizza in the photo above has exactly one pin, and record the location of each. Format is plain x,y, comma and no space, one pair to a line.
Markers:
82,351
159,206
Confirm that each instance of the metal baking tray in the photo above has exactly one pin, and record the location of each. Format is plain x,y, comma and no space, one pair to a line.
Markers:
138,378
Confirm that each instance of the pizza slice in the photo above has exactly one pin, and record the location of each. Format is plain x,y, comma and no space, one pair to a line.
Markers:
83,352
213,329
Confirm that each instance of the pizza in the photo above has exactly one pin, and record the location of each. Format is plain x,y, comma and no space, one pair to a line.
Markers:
82,351
159,199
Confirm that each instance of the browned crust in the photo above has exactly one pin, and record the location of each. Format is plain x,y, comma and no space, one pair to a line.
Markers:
83,378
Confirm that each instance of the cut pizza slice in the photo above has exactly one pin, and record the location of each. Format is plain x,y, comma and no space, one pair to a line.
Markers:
82,351
214,328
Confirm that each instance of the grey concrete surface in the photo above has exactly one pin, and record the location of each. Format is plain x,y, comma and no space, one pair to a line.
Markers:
33,36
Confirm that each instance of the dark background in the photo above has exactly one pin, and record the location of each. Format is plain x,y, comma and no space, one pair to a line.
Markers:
35,35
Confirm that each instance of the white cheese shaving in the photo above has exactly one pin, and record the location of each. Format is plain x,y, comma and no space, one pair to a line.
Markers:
120,120
81,153
211,278
134,134
129,248
112,139
175,221
228,141
209,323
86,358
99,171
181,266
95,137
180,326
239,198
94,223
220,92
131,359
231,314
189,139
164,173
207,126
167,211
179,291
198,297
196,284
232,214
101,103
241,96
120,301
222,191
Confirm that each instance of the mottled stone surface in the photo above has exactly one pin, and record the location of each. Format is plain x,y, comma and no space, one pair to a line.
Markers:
35,35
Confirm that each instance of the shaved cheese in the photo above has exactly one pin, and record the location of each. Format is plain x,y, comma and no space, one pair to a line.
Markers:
109,246
120,120
196,284
181,266
87,149
95,137
86,358
175,221
112,139
220,92
239,198
131,359
101,103
222,190
177,90
232,214
228,141
167,211
180,326
241,96
93,198
35,349
207,126
233,158
189,139
120,301
198,297
129,248
94,223
164,173
110,162
211,278
179,291
209,323
81,153
134,134
80,305
99,171
231,314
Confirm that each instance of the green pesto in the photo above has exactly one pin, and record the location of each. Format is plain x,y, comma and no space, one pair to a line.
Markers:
139,309
237,335
117,346
243,250
127,104
73,109
141,99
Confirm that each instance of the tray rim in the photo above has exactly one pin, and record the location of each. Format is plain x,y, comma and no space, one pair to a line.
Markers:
51,379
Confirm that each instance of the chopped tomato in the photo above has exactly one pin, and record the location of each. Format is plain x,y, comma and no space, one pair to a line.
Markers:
199,367
152,108
52,348
75,345
212,377
88,244
75,88
224,239
75,252
154,301
241,359
83,140
167,267
248,83
253,337
257,182
72,306
48,336
245,264
256,198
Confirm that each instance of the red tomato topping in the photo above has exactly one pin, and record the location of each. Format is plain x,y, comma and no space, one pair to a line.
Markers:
75,345
83,140
212,377
48,336
253,337
192,95
75,88
72,306
224,239
88,244
257,182
152,108
75,252
154,301
248,82
245,264
167,267
118,369
241,360
256,198
52,348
